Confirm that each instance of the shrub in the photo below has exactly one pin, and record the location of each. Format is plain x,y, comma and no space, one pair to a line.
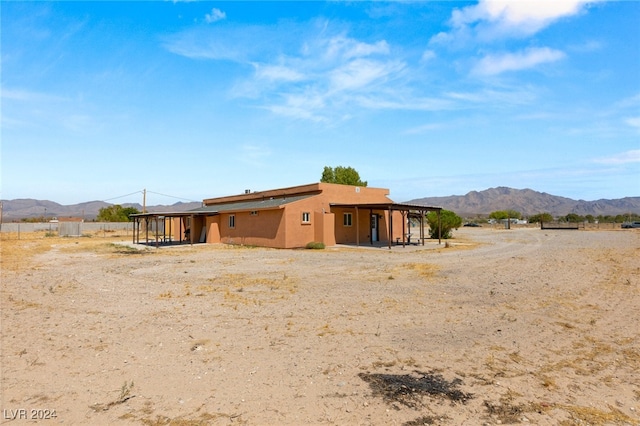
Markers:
449,221
314,245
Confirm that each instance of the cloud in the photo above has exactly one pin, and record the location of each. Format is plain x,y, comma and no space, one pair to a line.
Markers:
497,64
516,16
361,73
633,122
496,19
277,73
627,157
428,55
214,16
254,154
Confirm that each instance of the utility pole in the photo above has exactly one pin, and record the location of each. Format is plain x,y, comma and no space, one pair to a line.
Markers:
0,215
144,200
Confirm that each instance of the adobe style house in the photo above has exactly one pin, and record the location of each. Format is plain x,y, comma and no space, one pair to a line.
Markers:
291,218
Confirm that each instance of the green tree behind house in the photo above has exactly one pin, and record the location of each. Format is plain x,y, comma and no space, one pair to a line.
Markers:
342,175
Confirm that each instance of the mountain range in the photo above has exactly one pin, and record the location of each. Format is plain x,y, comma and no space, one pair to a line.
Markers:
473,204
528,202
15,210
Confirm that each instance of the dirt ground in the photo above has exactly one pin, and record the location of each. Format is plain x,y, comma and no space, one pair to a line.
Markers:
497,327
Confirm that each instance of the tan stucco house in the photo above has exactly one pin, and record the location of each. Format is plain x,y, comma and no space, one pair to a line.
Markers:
290,218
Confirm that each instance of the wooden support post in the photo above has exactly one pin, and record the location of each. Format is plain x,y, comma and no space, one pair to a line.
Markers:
370,227
157,232
390,226
357,227
191,229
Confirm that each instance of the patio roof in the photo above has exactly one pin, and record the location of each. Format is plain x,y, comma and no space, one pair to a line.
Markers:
267,203
390,206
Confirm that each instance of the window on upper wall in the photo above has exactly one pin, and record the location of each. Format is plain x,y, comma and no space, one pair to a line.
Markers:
232,221
306,217
347,219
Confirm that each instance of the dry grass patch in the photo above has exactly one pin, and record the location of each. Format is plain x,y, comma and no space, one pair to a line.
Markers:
252,289
16,255
424,270
203,420
594,416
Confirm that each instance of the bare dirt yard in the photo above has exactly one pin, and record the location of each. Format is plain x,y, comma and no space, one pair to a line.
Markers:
499,327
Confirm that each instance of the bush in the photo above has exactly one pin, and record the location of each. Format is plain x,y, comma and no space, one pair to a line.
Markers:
315,245
449,221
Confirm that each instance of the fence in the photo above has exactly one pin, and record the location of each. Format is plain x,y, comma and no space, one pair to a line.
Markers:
67,229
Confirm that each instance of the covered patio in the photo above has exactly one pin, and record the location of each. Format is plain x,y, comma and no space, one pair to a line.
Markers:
407,211
159,228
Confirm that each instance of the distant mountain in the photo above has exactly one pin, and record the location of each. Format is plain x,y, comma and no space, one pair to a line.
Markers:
528,202
14,210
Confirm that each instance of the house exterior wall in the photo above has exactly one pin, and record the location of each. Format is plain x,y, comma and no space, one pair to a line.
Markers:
266,228
213,229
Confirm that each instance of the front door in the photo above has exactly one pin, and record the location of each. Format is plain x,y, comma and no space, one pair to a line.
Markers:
374,227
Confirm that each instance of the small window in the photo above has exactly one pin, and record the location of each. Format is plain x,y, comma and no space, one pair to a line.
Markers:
347,219
254,213
306,217
232,221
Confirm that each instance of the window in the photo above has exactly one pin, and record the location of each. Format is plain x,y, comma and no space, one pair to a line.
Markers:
232,221
253,213
347,219
306,217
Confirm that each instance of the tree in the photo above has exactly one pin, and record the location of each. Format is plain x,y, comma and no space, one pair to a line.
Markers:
449,221
116,213
505,214
574,218
342,176
541,217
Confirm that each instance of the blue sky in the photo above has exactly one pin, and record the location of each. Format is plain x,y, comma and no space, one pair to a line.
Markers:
204,99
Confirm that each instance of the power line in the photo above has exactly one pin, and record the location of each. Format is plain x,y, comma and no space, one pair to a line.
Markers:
152,192
122,196
171,196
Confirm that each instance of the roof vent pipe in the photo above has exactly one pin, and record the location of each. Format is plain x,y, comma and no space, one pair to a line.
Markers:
247,191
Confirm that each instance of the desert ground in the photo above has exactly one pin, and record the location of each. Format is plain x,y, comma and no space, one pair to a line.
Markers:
495,327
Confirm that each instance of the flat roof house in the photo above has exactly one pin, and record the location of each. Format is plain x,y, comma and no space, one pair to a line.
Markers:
291,218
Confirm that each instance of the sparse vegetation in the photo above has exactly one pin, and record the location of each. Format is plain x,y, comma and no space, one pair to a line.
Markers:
314,245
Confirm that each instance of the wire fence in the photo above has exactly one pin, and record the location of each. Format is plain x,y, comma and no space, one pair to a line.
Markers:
22,230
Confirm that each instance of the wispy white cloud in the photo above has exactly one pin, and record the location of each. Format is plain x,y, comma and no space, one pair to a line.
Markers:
428,55
426,128
277,73
361,73
497,64
627,157
215,15
633,122
254,154
29,96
